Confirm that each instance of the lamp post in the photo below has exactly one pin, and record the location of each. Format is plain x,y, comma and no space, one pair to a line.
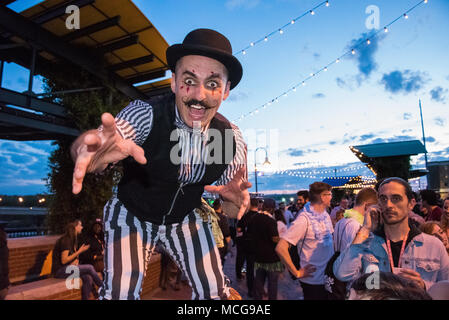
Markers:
266,162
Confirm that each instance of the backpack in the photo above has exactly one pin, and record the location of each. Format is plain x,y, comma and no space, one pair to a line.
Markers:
336,289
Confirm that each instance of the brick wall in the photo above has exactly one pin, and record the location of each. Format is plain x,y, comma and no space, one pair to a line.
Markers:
26,257
151,280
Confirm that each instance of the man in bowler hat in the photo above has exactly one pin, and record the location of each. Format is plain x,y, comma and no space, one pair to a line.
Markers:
171,152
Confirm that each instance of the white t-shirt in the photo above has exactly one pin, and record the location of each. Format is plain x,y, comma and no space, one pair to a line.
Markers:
281,228
315,242
345,231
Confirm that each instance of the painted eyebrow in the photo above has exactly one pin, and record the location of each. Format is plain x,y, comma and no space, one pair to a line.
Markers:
212,76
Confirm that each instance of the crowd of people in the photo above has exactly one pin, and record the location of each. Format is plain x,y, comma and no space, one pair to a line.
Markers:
376,245
397,236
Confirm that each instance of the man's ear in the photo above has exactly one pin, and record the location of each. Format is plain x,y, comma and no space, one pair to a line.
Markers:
173,82
227,90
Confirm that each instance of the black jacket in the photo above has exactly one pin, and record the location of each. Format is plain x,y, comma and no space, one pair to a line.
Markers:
151,192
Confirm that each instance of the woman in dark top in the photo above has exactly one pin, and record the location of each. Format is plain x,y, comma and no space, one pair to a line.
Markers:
66,260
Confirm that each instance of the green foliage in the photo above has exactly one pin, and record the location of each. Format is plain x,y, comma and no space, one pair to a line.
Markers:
84,109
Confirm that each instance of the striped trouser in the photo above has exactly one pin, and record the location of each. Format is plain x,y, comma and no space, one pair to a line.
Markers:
130,242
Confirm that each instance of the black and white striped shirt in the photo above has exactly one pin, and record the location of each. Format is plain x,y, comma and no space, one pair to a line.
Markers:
136,120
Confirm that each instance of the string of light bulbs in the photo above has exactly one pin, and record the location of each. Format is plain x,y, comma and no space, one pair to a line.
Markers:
281,29
352,51
310,176
312,171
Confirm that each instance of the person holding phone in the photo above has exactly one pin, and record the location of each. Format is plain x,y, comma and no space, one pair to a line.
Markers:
396,246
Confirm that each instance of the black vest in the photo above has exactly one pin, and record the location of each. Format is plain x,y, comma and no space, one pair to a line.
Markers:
152,192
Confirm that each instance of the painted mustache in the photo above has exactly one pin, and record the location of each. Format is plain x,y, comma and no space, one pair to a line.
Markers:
192,102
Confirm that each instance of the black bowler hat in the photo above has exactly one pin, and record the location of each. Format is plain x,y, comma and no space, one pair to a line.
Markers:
209,43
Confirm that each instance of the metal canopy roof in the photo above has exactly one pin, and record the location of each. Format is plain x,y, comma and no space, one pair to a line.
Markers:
115,42
391,149
129,44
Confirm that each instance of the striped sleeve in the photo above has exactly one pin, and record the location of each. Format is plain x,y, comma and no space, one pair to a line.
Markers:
239,161
135,121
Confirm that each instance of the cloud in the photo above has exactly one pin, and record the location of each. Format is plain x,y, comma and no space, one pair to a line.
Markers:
403,81
319,95
316,55
438,94
237,96
407,115
439,121
247,4
430,139
295,152
24,165
332,142
367,136
394,139
345,83
364,54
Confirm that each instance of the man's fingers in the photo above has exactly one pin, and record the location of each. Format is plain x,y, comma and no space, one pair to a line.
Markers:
408,272
246,185
79,173
136,152
108,123
93,142
241,212
213,189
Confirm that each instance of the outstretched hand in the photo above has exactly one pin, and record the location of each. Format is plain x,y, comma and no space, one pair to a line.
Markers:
95,149
236,191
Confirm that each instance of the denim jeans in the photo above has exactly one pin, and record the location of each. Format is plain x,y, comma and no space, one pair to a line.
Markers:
87,274
272,276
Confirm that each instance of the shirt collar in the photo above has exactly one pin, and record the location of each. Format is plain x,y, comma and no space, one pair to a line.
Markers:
414,231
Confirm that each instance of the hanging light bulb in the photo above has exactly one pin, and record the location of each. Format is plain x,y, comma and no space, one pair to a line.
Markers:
312,12
368,41
337,61
325,68
425,1
292,22
385,29
405,16
265,39
281,31
327,3
244,52
294,89
252,44
353,51
303,83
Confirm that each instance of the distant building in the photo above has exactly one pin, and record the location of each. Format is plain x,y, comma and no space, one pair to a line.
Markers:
438,177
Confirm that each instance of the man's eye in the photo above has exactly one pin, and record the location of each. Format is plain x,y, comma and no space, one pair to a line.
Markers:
189,82
212,85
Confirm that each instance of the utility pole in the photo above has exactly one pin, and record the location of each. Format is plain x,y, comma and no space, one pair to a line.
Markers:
424,140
